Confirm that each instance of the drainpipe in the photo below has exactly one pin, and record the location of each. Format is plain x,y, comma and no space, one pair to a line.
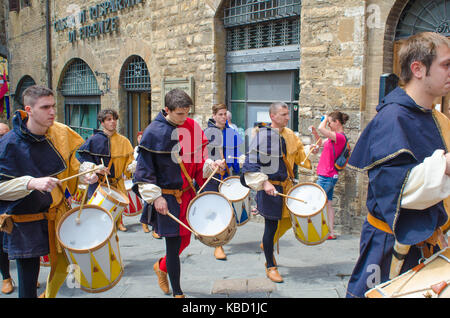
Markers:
49,47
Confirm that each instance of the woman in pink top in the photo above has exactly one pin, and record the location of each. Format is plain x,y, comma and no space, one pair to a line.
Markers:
327,173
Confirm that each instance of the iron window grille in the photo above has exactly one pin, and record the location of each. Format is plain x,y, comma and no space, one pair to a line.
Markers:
252,24
136,77
79,80
421,16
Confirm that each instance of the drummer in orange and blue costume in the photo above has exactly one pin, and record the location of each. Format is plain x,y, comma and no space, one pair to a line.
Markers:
114,149
268,168
33,158
172,154
405,152
224,143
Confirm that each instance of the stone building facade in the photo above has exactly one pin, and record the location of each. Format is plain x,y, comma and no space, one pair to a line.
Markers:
335,62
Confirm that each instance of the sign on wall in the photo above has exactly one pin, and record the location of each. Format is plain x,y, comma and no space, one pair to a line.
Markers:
185,83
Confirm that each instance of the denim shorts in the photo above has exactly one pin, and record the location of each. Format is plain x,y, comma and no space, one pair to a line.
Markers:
327,183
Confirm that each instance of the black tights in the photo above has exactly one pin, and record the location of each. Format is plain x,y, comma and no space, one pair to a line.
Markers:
270,227
4,261
173,263
28,273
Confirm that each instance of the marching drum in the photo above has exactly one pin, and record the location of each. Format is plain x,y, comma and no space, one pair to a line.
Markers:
115,202
78,195
92,245
429,279
211,216
136,204
309,219
44,260
239,196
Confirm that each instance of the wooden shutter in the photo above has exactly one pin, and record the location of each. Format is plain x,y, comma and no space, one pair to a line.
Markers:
14,5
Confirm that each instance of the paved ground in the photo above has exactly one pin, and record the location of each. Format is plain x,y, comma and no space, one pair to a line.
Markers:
320,271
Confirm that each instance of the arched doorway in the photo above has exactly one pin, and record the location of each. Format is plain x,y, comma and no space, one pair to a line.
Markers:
81,94
25,82
262,58
423,16
135,80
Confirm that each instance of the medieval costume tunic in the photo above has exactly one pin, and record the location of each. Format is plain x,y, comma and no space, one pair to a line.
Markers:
170,159
401,138
116,152
222,144
272,155
24,155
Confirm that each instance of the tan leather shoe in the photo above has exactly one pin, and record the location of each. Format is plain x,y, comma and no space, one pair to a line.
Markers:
7,287
179,296
145,227
163,282
122,228
273,275
219,253
155,235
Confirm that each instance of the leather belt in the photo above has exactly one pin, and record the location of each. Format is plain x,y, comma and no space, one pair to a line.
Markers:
377,223
176,193
22,218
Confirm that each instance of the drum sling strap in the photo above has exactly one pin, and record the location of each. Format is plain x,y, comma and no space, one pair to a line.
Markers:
178,193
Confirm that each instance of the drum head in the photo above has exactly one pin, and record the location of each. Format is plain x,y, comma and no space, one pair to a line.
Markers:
314,196
115,195
233,189
95,227
209,213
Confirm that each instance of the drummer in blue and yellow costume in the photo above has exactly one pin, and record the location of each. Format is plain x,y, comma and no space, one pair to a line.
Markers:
171,156
114,149
33,158
405,151
268,168
223,144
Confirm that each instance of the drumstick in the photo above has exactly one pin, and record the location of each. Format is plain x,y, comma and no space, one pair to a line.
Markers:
209,178
99,167
106,177
289,197
181,223
310,151
231,157
221,181
77,220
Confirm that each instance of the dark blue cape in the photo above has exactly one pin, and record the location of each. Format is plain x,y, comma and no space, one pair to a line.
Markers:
25,154
155,166
265,155
96,148
228,141
398,138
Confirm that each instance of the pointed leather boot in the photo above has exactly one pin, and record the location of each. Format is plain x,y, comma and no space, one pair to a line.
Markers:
273,275
7,287
219,253
163,282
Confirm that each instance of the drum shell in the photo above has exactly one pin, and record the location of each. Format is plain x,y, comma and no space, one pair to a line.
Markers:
108,202
136,203
241,206
310,229
419,281
88,259
224,236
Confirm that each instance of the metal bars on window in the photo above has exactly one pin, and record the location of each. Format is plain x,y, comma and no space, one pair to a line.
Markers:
270,34
242,12
136,77
79,80
420,16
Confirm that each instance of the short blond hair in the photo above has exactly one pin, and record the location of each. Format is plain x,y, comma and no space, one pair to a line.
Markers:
217,107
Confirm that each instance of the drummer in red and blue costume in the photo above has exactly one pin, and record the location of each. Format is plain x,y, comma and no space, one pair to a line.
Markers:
111,148
171,156
405,152
224,143
268,168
